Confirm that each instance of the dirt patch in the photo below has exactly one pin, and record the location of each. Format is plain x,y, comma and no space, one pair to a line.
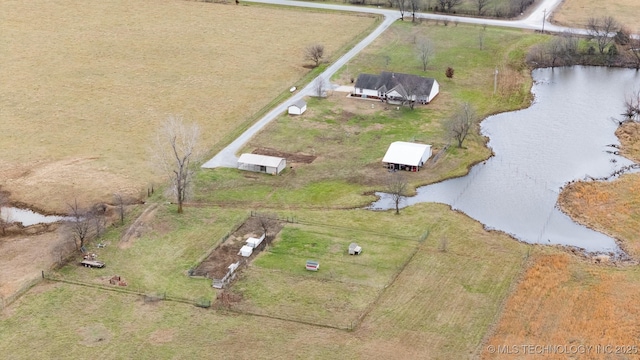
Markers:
161,336
216,265
139,227
291,158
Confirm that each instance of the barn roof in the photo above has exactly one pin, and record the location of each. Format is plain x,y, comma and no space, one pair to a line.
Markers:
262,160
405,153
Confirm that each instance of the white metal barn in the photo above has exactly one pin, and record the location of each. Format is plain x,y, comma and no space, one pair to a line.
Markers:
406,156
262,163
298,107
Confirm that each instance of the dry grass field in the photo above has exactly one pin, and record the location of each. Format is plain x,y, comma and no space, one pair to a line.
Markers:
576,13
85,85
565,301
611,207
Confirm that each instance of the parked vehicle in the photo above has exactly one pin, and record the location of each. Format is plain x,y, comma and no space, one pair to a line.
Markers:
92,263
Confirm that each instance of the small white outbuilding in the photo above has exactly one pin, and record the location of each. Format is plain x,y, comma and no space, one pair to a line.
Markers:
262,163
246,251
298,107
406,156
255,242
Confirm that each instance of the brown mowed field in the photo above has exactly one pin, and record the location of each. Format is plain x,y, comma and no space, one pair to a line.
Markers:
576,13
85,85
568,304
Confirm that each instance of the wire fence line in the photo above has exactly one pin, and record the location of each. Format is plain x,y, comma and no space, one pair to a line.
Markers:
296,220
148,296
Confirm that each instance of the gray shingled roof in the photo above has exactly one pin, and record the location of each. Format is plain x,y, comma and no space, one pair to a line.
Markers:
403,83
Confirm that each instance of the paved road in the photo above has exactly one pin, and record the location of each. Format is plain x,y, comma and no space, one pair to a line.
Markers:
227,157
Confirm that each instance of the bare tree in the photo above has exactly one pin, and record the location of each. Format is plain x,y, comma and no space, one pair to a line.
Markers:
448,5
314,53
461,122
425,51
481,6
5,221
634,48
319,87
176,152
397,188
415,6
632,106
602,30
120,206
402,7
79,224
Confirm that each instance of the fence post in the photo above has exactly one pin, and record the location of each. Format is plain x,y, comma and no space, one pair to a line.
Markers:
43,274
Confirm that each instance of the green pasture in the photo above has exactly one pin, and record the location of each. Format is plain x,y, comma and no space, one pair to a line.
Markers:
349,146
158,261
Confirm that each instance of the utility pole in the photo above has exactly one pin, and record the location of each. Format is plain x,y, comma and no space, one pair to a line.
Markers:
544,16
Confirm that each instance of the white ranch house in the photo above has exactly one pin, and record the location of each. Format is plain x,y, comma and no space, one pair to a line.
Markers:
298,107
396,88
262,163
406,156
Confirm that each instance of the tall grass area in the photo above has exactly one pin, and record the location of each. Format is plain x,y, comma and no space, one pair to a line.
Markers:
350,136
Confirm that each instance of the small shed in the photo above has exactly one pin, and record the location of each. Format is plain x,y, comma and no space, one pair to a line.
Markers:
406,156
255,242
298,107
354,249
312,265
246,251
262,163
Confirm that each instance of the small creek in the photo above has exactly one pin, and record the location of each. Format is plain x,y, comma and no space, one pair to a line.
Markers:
564,136
27,217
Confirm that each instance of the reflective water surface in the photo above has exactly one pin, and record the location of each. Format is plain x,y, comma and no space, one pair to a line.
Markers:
27,217
565,135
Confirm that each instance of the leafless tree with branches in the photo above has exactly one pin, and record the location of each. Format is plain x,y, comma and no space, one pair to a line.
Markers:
176,152
425,51
402,7
632,106
602,30
397,188
461,122
5,221
319,87
79,224
481,6
120,204
448,5
314,53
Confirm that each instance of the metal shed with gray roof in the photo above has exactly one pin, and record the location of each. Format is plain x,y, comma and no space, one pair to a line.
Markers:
262,163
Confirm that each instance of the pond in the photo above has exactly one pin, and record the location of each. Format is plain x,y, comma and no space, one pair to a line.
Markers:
567,134
27,217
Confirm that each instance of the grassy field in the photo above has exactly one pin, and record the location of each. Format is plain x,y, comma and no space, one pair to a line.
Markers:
409,319
576,13
86,85
157,260
407,296
349,136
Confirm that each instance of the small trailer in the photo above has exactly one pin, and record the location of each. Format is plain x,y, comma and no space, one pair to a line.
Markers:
92,263
312,265
354,249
